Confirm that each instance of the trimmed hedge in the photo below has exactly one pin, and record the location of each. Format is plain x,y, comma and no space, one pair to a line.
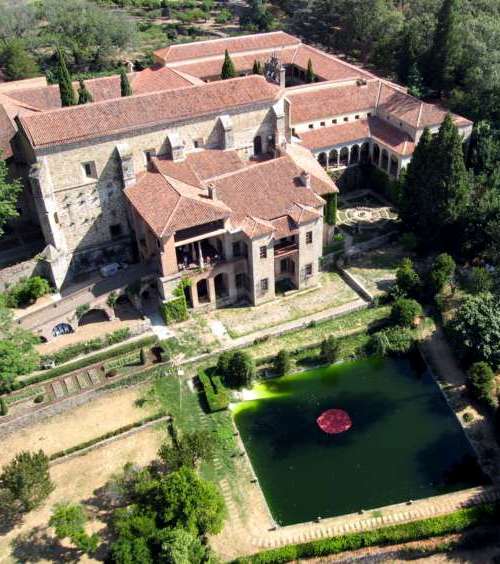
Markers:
86,361
113,433
395,534
86,347
217,396
174,310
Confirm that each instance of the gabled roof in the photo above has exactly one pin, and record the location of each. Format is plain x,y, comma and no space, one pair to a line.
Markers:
90,121
214,47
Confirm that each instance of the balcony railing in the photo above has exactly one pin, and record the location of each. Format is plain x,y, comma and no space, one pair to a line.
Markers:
285,248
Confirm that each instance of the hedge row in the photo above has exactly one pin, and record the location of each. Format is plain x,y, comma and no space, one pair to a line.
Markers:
128,359
86,347
217,396
101,438
86,361
395,534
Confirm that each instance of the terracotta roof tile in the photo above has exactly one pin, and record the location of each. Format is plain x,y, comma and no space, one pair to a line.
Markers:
323,101
181,52
119,115
157,78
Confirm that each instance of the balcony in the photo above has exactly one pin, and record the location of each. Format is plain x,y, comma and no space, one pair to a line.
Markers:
199,255
284,248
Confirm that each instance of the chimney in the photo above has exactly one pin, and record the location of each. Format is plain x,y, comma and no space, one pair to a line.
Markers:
212,191
282,76
305,179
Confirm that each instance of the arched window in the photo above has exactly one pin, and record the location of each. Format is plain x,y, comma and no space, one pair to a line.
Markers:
344,156
394,166
322,159
376,155
365,152
385,160
354,154
333,158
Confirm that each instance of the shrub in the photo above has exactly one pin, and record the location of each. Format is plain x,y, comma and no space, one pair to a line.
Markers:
4,408
481,382
27,291
282,363
112,299
404,311
223,363
442,272
480,280
174,310
393,340
241,370
217,396
407,280
39,398
329,350
81,310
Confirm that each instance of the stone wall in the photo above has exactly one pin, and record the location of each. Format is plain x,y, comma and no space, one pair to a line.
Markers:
12,274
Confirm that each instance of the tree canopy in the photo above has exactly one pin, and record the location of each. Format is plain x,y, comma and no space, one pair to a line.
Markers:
9,194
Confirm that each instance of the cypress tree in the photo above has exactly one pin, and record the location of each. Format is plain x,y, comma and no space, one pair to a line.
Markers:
331,209
446,47
64,79
228,70
84,96
415,84
3,407
310,77
125,87
257,69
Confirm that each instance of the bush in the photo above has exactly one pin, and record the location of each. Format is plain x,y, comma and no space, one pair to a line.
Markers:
329,350
407,279
443,270
174,310
223,363
481,382
39,398
241,371
217,396
468,417
393,340
404,311
282,363
480,280
395,534
27,291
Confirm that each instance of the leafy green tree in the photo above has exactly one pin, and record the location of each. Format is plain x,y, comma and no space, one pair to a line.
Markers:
125,88
223,362
17,350
187,451
391,341
27,479
329,350
27,291
241,370
446,47
9,194
282,363
181,547
407,279
442,272
480,281
415,81
64,80
404,311
481,383
310,76
228,69
18,62
476,329
68,520
84,96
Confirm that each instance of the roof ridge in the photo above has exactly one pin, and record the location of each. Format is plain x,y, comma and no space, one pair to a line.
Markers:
420,110
247,167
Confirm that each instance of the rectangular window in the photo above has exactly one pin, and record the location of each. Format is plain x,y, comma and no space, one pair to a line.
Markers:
283,266
293,131
115,230
311,126
309,270
264,285
198,143
309,237
334,121
346,119
236,249
322,124
369,114
89,169
356,117
263,252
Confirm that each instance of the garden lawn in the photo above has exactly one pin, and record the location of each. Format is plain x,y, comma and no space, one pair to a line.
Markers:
332,292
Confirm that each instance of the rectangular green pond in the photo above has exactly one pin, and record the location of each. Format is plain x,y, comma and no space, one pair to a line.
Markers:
404,442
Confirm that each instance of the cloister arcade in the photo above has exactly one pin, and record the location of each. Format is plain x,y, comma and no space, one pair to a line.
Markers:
350,155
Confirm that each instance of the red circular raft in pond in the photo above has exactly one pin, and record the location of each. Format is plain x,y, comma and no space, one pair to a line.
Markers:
333,421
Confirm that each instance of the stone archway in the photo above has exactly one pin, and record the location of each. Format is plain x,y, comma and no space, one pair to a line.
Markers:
202,291
94,315
323,160
344,156
385,160
333,158
62,329
354,158
376,155
365,152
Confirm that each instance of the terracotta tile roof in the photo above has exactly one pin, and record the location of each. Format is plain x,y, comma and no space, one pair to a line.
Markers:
181,52
167,205
123,114
7,132
327,66
200,166
243,63
157,78
323,101
284,226
359,130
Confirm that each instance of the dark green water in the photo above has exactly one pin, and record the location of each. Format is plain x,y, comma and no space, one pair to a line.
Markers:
404,443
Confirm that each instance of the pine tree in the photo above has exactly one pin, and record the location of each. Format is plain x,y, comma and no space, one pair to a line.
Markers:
228,70
18,63
84,96
64,79
257,69
310,77
446,47
125,87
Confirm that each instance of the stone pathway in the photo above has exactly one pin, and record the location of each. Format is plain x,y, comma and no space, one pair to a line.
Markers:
219,331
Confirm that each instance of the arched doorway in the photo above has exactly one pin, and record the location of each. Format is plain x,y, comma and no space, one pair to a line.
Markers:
93,316
62,329
394,166
323,161
385,160
376,155
124,309
344,156
354,154
221,286
365,152
202,290
257,145
333,158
